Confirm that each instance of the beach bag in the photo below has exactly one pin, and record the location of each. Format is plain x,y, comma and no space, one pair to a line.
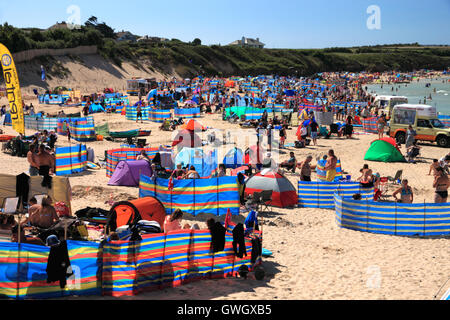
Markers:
62,209
299,144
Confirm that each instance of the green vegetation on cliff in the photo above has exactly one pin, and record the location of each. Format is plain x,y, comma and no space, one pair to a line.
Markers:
190,59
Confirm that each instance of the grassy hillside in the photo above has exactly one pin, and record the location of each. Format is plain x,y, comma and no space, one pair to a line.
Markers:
190,59
225,60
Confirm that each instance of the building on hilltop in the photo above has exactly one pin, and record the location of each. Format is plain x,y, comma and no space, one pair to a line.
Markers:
248,43
151,39
126,36
57,25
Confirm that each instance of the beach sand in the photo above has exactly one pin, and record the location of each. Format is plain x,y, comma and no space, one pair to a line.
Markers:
312,257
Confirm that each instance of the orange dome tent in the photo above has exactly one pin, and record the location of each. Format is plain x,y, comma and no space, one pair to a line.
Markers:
130,212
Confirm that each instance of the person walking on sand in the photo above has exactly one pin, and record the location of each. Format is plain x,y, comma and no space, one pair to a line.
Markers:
330,166
441,184
433,167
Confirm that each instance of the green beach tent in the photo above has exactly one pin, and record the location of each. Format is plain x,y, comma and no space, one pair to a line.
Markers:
384,150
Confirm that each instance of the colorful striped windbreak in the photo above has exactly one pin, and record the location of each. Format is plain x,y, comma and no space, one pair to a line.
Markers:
83,130
401,219
63,123
322,173
168,260
39,123
370,125
122,268
31,262
187,113
194,196
158,115
319,194
114,156
131,113
71,160
445,120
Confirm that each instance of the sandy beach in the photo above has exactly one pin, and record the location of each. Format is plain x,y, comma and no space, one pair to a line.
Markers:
312,257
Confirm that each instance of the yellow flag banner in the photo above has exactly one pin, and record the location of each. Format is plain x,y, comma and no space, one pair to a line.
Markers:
12,89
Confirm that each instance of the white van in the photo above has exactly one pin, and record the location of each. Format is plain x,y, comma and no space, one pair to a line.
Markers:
387,103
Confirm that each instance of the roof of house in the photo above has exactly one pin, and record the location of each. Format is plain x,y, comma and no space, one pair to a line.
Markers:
248,41
58,25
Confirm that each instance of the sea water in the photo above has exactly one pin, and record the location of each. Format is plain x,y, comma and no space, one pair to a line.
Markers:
416,91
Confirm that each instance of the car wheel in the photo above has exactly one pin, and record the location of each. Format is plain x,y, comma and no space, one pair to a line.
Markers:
442,141
400,137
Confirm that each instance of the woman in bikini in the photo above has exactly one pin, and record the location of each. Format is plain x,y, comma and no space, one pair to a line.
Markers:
441,183
406,193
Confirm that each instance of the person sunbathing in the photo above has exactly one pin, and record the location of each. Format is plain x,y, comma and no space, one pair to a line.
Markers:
192,174
43,216
173,222
24,239
290,164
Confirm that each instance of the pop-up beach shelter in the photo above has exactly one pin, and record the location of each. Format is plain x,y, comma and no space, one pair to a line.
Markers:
130,212
95,108
234,158
384,150
187,138
127,173
205,164
284,193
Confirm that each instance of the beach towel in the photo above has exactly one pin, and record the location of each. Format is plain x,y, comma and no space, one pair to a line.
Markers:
239,241
58,263
218,237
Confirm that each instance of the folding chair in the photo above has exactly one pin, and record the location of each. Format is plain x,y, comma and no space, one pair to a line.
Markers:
255,201
398,176
10,205
266,199
383,188
39,198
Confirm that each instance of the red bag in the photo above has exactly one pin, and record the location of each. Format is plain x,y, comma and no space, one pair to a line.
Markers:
62,209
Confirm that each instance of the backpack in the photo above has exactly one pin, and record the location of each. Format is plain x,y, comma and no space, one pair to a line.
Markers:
62,209
299,144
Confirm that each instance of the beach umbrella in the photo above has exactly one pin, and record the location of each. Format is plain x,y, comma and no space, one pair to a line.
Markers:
193,125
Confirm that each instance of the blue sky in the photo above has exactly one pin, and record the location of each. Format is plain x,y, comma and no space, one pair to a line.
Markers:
279,24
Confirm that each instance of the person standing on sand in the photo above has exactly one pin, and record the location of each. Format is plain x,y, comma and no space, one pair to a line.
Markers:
441,184
410,134
139,113
46,163
406,193
31,157
330,166
433,167
305,169
381,122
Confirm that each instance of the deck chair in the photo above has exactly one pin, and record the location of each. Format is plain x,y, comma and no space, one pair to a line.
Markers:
39,198
383,189
255,202
10,205
397,176
266,199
